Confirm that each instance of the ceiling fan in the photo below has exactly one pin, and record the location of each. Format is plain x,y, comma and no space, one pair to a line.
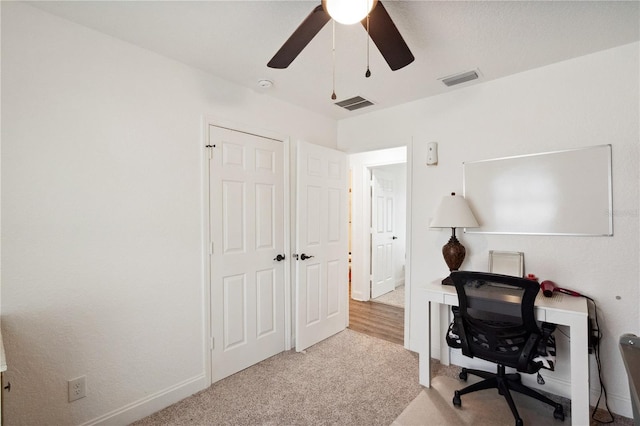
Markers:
377,22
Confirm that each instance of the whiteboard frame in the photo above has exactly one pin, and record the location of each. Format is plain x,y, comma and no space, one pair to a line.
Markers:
608,151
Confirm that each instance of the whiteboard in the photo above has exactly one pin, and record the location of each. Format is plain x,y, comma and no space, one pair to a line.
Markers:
553,193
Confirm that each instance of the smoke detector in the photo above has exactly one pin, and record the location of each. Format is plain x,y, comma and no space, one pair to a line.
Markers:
265,84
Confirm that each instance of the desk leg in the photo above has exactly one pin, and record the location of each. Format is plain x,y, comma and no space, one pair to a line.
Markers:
444,328
424,356
579,372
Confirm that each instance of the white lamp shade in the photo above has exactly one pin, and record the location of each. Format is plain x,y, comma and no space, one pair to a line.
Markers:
348,11
453,212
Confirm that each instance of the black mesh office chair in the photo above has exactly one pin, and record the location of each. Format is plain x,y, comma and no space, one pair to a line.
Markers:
495,321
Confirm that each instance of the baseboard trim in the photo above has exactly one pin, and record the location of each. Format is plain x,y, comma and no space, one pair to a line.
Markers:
149,405
619,404
359,296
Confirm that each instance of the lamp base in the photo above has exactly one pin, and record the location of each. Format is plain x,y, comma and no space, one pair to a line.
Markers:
453,253
448,281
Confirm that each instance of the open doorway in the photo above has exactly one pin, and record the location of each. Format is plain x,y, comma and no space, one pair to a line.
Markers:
388,233
379,242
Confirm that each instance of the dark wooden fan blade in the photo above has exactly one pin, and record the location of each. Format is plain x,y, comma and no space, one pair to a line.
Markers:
300,38
387,38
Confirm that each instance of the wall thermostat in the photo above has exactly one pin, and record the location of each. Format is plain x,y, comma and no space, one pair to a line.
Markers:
432,153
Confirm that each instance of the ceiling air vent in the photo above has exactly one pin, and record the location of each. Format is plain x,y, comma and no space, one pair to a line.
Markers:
459,78
354,103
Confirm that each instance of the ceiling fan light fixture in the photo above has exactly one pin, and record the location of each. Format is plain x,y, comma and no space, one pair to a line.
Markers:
348,12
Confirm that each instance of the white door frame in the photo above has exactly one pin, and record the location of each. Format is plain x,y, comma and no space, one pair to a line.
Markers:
361,224
206,228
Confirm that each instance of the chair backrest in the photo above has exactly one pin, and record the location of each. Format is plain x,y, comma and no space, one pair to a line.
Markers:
495,319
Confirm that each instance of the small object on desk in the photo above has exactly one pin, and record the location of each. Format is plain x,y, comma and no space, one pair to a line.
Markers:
548,287
569,292
506,263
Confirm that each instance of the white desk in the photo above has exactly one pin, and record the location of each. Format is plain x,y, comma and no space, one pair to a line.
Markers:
566,310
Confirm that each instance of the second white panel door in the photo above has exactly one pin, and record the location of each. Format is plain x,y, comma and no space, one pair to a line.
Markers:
322,244
383,236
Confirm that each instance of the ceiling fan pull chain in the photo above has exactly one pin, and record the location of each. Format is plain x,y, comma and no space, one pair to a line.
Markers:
333,94
368,73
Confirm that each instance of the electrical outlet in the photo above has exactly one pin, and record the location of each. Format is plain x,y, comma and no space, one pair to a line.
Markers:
77,388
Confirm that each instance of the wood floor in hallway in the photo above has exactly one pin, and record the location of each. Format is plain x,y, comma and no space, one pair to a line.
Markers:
377,320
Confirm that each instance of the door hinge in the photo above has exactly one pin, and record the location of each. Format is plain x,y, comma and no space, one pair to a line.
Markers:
212,343
211,249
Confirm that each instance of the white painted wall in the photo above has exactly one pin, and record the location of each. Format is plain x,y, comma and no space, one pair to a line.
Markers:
102,180
586,101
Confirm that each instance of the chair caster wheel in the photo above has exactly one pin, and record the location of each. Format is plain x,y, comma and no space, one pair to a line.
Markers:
519,422
463,375
456,399
558,413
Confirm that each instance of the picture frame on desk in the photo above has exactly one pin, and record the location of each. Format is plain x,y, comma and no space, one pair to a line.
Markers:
506,263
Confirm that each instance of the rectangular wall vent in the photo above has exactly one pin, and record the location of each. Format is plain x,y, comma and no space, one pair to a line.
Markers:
354,103
460,78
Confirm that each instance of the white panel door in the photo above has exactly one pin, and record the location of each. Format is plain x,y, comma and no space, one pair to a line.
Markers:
322,290
247,234
382,233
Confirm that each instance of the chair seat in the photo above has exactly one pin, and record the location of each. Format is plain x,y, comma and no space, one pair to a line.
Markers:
545,355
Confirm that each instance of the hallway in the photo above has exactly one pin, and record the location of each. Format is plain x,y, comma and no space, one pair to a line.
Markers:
378,320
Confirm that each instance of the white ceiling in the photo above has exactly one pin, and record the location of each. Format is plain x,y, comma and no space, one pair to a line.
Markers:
235,39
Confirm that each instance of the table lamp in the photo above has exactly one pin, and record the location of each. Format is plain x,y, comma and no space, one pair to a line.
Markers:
453,212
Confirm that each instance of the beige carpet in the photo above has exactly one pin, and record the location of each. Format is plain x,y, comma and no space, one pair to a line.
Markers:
348,379
433,406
